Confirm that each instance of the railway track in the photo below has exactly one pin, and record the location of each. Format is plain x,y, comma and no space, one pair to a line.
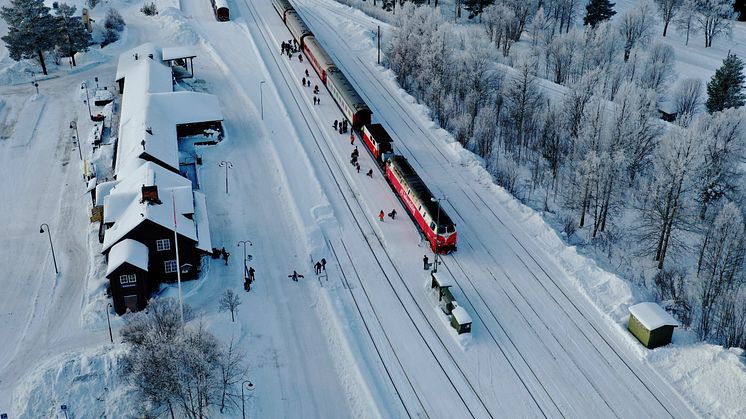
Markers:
561,301
355,207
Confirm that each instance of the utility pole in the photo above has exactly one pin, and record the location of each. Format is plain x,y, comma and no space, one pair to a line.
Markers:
379,44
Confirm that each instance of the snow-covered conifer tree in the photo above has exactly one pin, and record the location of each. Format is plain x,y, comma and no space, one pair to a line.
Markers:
726,87
32,30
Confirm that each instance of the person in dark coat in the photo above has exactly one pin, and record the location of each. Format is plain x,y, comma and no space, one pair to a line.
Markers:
251,273
225,255
295,276
370,175
317,267
425,265
304,81
335,124
307,73
323,264
357,166
392,214
355,152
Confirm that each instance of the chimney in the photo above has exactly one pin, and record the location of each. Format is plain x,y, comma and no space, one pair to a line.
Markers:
150,194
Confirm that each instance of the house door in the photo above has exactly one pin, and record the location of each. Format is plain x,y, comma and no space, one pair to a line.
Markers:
130,303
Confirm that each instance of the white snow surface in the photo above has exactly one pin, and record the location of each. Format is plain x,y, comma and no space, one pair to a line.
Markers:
365,339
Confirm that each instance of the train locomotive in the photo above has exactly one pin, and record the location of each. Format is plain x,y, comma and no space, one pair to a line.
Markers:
426,211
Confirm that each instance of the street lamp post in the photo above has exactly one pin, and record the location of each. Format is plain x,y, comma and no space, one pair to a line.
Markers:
437,227
111,336
228,165
261,97
87,99
243,242
250,386
74,125
41,230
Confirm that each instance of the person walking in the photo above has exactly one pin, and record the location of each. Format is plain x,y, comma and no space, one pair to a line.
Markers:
357,166
370,175
304,81
425,265
392,214
300,57
323,264
352,138
307,73
355,152
317,267
295,275
335,125
381,215
225,255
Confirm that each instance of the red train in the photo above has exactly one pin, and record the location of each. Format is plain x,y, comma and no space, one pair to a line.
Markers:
417,198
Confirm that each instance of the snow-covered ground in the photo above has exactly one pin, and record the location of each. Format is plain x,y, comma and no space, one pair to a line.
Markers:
367,340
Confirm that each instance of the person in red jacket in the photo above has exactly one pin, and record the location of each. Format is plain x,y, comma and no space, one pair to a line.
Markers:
381,215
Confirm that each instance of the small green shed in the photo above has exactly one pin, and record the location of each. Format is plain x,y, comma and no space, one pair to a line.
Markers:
460,320
651,324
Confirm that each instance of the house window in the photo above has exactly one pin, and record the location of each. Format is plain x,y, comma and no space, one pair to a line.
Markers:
169,266
127,280
163,244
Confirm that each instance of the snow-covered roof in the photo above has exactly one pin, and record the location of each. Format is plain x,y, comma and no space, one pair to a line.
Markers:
102,191
127,59
145,78
129,251
124,208
444,280
461,316
203,226
174,53
91,184
652,316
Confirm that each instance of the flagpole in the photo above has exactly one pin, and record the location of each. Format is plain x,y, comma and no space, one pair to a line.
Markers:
178,266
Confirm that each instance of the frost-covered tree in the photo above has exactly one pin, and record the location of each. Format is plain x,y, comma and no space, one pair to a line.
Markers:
562,53
560,14
665,209
475,7
597,11
523,105
229,301
723,135
726,87
719,264
687,97
73,35
636,26
685,19
176,368
658,68
32,31
668,10
713,18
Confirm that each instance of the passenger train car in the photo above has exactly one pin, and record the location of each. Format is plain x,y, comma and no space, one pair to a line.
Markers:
434,222
431,219
221,10
282,6
378,141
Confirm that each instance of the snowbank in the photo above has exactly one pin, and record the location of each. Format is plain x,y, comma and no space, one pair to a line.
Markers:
87,382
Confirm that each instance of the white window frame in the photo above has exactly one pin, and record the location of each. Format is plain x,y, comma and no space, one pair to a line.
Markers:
169,266
162,245
127,280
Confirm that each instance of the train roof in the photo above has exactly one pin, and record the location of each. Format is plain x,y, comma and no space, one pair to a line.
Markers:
324,60
379,133
296,25
417,185
349,94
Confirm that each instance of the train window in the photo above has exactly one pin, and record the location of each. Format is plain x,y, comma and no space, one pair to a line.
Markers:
432,226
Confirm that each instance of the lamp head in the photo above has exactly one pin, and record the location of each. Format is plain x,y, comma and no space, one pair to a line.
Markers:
41,229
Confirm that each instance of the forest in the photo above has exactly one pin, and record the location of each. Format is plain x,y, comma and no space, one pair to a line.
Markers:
568,119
